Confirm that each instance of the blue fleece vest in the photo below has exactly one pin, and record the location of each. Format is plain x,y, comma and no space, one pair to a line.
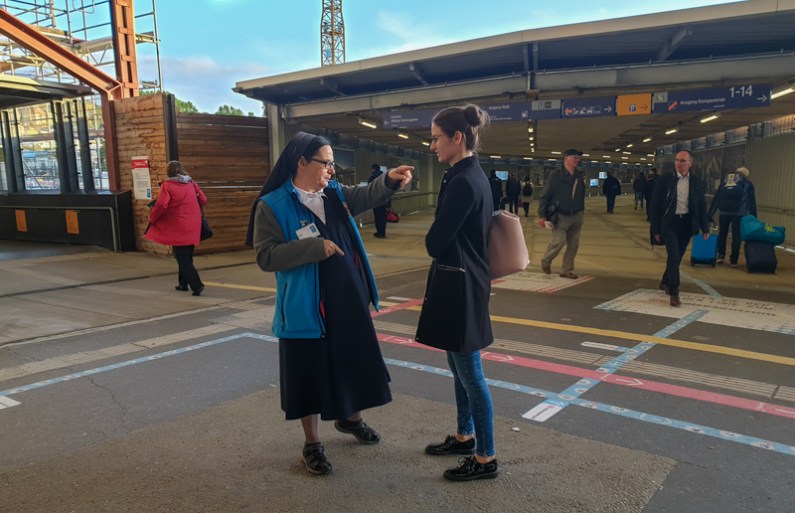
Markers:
297,313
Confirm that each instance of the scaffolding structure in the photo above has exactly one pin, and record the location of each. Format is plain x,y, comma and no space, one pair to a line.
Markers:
105,34
84,27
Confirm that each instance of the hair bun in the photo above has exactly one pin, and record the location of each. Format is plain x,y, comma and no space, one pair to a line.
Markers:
474,115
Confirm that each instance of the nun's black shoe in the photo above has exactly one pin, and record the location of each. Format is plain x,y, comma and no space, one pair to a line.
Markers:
363,433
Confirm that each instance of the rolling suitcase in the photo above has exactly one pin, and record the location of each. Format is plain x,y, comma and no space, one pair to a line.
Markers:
704,251
760,256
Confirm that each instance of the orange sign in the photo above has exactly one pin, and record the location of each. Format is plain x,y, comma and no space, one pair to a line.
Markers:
72,225
22,221
633,104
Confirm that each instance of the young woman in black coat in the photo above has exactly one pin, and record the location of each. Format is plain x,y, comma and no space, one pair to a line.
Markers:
455,312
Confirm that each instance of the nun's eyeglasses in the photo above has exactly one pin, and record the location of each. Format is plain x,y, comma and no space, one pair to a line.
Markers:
328,164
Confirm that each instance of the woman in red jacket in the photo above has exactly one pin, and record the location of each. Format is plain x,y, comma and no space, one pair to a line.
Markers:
176,220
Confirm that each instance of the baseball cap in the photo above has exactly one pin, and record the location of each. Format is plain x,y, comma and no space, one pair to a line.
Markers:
571,151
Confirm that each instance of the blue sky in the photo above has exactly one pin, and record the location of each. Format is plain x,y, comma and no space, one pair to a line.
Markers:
208,47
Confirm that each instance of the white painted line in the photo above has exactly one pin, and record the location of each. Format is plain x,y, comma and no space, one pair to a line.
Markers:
7,402
398,298
609,347
542,412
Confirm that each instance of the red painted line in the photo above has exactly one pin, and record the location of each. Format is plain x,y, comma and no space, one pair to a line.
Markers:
617,379
572,283
397,308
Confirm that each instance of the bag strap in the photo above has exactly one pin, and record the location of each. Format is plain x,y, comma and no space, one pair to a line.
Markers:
196,190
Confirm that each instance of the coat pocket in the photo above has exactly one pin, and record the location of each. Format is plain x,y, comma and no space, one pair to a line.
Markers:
443,320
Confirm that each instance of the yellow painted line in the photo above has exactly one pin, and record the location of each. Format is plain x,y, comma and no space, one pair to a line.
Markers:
239,287
682,344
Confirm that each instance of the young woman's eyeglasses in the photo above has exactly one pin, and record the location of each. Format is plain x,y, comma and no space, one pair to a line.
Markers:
435,138
328,164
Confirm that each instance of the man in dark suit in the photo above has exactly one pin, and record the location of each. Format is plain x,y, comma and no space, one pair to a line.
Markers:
678,212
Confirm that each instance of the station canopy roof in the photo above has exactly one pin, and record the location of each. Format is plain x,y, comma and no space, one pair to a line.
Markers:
694,50
19,91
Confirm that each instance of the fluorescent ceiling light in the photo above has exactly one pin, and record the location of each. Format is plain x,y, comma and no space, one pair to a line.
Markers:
627,152
618,149
671,131
605,156
402,135
495,156
650,154
643,158
426,143
648,139
531,138
630,145
555,152
528,158
530,129
367,123
586,154
782,93
625,158
707,119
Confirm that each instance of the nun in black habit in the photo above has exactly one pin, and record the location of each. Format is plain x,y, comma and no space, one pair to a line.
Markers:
302,228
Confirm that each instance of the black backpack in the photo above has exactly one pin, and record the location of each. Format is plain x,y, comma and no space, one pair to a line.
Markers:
731,199
527,190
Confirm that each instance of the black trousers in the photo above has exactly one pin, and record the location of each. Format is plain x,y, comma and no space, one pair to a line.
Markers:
611,202
677,237
379,213
188,275
513,204
725,222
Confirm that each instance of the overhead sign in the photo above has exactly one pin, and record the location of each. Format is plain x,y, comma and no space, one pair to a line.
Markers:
736,97
633,104
410,118
508,111
589,107
545,109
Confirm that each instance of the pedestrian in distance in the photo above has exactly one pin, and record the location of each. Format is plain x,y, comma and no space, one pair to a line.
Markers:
734,198
611,188
176,221
638,187
561,208
513,189
678,212
496,189
302,229
527,195
379,212
648,189
455,310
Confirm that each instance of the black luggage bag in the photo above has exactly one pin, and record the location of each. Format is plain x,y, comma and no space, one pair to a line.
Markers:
760,256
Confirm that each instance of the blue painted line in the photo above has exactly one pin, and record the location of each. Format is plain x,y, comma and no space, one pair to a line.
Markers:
681,425
143,359
611,367
728,436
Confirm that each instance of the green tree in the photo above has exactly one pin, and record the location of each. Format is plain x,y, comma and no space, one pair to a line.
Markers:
228,110
185,106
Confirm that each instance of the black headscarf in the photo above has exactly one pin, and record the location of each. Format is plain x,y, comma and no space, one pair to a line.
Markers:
281,172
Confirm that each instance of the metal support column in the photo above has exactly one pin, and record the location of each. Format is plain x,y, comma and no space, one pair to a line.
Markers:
123,22
15,173
64,146
85,146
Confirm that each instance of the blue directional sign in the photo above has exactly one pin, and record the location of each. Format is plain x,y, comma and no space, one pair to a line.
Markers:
736,97
588,107
508,111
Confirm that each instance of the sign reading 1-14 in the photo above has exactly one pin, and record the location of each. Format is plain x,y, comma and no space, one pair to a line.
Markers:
735,97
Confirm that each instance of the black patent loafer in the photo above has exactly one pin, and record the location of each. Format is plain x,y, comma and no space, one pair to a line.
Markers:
469,469
451,446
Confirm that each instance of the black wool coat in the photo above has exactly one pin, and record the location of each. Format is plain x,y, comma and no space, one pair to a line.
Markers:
455,310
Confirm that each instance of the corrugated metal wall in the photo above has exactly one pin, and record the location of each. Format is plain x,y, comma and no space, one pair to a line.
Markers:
772,164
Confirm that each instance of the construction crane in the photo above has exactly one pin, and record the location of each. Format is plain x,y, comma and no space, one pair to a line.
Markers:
332,33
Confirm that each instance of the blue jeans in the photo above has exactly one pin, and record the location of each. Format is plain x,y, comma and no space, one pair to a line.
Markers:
473,400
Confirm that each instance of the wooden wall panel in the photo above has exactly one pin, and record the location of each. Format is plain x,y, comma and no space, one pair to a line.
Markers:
228,157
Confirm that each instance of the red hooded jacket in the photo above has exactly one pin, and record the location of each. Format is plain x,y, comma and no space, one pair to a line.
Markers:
176,218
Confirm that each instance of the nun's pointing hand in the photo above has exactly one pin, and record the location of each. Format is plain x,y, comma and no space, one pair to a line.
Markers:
400,174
